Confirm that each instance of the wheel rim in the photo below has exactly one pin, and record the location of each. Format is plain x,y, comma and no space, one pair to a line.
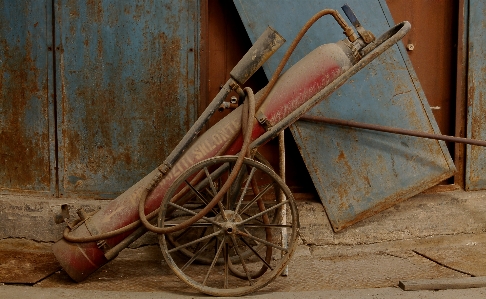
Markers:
233,238
174,243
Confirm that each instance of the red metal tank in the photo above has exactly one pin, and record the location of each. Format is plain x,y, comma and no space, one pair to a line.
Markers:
293,88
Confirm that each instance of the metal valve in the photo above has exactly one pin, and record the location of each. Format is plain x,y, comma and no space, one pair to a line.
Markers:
368,36
232,104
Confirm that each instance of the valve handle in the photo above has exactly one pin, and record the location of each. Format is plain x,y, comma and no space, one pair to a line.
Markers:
367,36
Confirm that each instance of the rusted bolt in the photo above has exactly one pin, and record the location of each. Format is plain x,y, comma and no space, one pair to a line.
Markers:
49,48
410,47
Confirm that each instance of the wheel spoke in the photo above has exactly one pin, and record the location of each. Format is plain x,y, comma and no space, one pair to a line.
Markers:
245,234
264,212
216,257
200,196
226,265
259,195
195,241
235,246
257,220
213,188
256,253
189,262
197,224
228,194
268,225
211,183
252,172
202,234
193,213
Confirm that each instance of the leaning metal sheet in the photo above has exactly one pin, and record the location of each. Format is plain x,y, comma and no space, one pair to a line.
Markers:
358,173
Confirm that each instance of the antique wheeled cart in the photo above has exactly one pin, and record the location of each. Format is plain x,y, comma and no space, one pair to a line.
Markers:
228,224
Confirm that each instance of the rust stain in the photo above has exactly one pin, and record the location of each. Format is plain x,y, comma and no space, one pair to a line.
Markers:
341,157
139,10
24,158
114,126
95,9
478,120
22,266
346,173
478,123
126,9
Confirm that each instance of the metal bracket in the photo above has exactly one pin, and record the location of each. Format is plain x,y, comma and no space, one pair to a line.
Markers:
93,231
263,120
355,50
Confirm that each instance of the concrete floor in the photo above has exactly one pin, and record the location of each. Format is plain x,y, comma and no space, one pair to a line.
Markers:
430,236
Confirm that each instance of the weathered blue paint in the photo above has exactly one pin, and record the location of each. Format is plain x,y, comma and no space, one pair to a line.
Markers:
358,173
127,89
476,121
27,159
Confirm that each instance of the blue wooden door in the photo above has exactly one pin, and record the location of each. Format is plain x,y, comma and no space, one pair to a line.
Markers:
94,94
127,89
476,120
27,133
358,173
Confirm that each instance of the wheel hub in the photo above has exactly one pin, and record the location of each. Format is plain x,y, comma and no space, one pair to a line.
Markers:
228,223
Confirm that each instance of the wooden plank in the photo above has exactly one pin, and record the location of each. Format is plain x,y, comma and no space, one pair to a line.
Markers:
443,283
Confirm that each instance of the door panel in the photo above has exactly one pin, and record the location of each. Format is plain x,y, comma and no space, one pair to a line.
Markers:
27,159
476,121
127,86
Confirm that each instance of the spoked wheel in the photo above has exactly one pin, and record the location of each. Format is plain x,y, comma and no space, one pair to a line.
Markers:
171,238
237,247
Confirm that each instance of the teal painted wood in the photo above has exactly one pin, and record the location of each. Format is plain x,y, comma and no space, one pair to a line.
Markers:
358,173
127,89
27,142
476,70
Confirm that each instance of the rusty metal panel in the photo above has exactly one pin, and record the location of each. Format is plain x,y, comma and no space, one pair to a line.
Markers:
432,40
358,173
127,87
27,142
476,95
